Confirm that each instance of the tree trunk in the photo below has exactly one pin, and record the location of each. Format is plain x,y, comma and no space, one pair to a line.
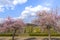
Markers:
13,35
42,29
49,36
31,29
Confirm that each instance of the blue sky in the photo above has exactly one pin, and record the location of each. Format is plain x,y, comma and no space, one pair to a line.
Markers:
24,9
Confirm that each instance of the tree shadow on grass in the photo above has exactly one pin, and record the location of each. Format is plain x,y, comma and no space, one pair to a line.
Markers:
30,39
52,39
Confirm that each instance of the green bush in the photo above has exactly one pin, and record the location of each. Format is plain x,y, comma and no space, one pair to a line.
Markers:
55,34
7,34
30,34
43,34
38,34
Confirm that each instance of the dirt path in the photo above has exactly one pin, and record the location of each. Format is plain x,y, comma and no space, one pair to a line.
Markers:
22,38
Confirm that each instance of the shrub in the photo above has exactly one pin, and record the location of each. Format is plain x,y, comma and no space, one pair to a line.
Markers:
38,34
55,34
7,34
43,34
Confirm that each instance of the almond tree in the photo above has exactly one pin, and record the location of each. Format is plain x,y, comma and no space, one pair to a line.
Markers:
46,20
2,28
4,25
11,23
18,24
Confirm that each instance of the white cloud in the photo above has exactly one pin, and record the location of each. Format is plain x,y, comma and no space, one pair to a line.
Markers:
1,9
10,3
15,2
1,20
31,11
48,3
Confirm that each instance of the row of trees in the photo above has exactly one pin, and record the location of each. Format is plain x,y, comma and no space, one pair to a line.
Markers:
44,19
